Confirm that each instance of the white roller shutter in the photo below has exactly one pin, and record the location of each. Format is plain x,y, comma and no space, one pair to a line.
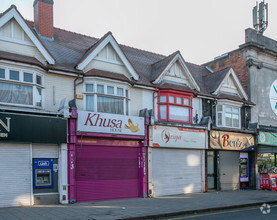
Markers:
45,151
229,170
176,171
15,175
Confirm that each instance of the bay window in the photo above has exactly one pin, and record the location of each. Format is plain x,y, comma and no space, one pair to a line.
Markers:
228,116
20,87
106,98
174,106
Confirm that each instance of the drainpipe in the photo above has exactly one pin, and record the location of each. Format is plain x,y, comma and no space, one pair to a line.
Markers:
156,91
76,84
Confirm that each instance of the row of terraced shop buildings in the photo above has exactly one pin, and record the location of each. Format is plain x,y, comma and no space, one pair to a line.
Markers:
87,119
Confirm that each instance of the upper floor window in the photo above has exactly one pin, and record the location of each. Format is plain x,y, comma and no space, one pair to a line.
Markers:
107,98
20,87
228,116
175,107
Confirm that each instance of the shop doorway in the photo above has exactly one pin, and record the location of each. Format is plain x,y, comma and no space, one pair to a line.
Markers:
211,170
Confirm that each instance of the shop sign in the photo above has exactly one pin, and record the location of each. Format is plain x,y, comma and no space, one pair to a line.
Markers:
32,128
175,137
267,138
230,141
110,123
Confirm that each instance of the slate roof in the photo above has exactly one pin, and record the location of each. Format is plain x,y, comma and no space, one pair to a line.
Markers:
69,49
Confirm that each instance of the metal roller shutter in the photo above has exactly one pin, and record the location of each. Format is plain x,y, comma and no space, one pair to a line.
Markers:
229,170
176,171
15,178
266,149
104,173
45,151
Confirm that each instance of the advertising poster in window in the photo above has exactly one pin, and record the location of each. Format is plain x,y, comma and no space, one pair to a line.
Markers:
110,123
176,137
230,141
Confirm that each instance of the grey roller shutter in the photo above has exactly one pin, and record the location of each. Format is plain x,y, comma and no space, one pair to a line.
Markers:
176,171
15,178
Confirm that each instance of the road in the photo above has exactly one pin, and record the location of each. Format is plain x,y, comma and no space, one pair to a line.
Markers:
253,213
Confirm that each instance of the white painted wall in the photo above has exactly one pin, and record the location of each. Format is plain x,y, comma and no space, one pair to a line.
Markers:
57,87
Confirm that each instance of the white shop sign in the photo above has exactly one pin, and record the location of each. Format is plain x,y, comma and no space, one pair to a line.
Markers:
175,137
109,123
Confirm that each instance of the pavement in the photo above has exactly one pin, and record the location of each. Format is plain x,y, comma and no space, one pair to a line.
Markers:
143,208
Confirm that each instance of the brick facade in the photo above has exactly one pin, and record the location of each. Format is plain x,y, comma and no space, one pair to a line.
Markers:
236,59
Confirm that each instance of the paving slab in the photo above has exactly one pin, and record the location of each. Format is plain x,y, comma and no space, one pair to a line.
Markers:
142,208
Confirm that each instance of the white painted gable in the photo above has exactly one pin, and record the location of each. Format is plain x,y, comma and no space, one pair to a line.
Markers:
229,86
17,37
108,56
176,73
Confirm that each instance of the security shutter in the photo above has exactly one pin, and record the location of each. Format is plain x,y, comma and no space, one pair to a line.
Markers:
229,170
104,173
45,151
176,171
15,175
266,149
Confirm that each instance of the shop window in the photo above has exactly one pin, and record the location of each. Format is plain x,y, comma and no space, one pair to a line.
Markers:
228,116
107,98
18,87
267,163
175,107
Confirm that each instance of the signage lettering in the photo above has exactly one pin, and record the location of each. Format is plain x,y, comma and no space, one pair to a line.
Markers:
102,122
110,123
43,163
230,141
5,126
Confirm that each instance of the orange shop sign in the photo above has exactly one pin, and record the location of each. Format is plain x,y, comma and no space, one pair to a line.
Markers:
230,140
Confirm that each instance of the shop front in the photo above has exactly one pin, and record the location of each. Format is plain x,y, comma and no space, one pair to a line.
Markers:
267,160
230,160
107,157
33,159
176,160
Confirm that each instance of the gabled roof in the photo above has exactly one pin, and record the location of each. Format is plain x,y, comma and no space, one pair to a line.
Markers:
98,46
12,12
214,82
160,68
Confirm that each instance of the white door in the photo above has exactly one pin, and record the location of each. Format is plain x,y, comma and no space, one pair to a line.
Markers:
15,175
229,170
176,171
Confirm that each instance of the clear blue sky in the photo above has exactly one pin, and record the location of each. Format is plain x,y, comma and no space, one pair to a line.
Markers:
200,29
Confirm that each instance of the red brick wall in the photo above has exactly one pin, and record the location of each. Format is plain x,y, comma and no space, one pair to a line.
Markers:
237,60
43,18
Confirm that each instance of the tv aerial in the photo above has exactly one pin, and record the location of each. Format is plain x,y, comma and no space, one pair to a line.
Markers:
260,17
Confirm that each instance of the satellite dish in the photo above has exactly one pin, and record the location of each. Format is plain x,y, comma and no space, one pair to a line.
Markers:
260,17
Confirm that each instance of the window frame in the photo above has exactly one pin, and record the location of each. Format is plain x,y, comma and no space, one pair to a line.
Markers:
21,81
226,105
182,95
94,93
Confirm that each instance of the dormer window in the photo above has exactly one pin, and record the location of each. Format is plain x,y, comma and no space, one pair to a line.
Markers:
174,106
107,98
228,116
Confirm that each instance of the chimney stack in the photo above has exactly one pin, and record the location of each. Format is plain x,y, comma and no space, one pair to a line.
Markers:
43,18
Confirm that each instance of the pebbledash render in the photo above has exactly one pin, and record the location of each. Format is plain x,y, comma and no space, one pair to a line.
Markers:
122,122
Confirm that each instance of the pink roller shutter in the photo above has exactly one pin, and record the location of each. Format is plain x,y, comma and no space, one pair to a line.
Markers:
104,173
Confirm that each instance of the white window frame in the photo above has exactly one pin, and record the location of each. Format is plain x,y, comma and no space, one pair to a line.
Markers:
21,81
231,105
126,100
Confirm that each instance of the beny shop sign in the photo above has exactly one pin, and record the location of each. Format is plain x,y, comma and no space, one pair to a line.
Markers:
176,137
110,123
230,141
